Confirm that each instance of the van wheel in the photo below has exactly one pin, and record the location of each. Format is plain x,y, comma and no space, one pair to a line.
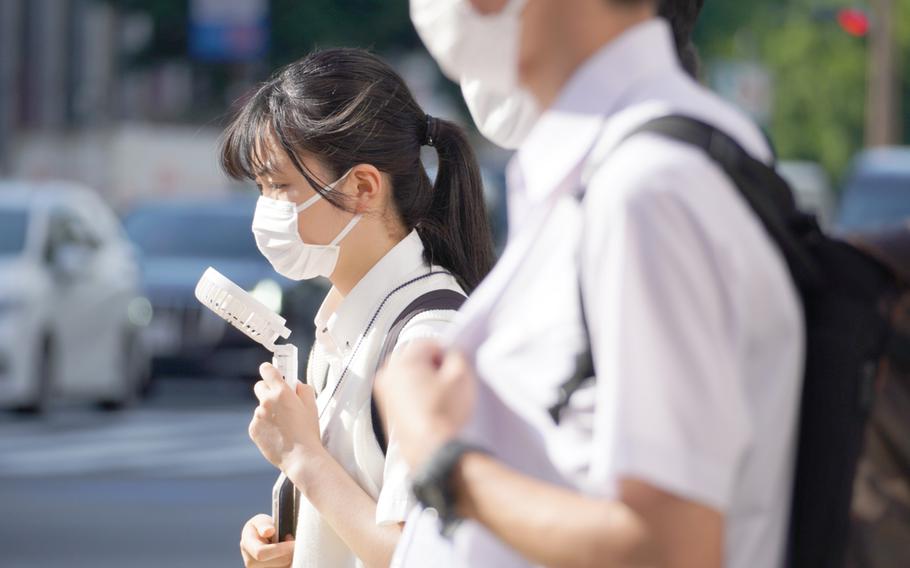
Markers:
42,377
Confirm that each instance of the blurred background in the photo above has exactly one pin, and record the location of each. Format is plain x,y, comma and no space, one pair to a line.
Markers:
123,440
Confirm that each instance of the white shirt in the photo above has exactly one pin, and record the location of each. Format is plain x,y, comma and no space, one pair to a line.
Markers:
349,335
696,328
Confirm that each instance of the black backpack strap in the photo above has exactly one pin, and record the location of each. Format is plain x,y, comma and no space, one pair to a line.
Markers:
774,205
767,194
433,300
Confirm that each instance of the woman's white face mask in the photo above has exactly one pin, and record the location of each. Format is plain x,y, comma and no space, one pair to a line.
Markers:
470,45
278,239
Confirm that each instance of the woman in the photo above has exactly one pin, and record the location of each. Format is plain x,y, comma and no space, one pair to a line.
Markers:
333,142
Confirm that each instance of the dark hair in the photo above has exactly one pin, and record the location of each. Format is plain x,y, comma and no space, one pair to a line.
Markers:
682,15
348,107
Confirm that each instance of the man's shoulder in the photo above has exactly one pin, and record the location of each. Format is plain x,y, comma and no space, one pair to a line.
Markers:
683,98
653,162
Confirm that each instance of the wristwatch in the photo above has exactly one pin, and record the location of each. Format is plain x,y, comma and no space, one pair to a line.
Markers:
432,482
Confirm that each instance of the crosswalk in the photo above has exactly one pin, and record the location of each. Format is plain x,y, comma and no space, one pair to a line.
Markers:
146,442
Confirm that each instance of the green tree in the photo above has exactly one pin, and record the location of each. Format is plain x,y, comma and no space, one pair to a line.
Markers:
300,26
820,90
819,71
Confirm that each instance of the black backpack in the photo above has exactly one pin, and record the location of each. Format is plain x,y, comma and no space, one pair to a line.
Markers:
846,296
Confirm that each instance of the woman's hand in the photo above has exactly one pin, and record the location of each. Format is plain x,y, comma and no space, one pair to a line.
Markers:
257,549
285,425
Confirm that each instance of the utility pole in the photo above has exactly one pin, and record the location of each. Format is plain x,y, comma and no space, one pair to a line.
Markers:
882,98
9,67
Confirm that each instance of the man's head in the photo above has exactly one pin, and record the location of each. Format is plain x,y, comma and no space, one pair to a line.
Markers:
498,49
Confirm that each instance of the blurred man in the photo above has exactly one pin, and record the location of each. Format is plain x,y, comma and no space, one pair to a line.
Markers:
680,453
505,118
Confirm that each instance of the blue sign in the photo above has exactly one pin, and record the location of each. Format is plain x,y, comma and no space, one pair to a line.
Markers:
232,31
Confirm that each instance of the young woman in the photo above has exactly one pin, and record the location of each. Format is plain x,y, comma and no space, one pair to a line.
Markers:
333,143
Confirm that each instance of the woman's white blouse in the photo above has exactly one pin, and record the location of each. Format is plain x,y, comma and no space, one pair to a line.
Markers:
350,332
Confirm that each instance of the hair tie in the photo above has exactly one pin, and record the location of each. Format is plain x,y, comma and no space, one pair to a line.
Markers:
429,137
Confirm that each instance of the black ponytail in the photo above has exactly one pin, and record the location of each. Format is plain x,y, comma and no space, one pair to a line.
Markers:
347,107
455,228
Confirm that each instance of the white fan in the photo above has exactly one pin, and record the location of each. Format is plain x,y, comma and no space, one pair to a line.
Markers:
239,308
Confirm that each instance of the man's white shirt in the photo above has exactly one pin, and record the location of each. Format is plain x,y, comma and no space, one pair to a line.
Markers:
695,326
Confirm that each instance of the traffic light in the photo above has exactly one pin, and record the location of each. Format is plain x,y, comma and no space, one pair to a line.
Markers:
853,21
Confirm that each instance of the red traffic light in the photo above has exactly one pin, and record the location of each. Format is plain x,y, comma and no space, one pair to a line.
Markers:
853,21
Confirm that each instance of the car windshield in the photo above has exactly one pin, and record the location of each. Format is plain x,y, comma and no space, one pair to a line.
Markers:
875,202
13,226
193,232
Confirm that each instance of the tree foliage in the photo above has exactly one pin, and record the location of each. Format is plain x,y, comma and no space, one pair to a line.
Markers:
819,71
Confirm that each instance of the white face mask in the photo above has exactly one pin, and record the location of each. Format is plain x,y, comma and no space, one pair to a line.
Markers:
505,119
467,44
277,237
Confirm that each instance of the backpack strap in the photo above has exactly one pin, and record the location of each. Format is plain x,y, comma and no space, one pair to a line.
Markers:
434,300
766,193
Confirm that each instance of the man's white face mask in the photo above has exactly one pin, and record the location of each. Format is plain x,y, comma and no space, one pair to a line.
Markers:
467,44
481,53
505,119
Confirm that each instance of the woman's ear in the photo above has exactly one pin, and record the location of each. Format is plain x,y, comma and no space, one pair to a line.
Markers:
368,188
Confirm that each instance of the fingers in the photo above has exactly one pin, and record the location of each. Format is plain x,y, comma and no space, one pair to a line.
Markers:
256,549
264,525
262,391
454,366
422,356
422,351
271,376
283,556
268,555
305,392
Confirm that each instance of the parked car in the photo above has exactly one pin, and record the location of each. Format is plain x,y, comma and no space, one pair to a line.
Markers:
177,240
811,187
876,195
68,290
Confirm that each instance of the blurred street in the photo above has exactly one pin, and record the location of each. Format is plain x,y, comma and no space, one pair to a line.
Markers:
167,483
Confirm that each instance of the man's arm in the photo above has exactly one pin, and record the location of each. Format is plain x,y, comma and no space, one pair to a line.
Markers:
557,527
427,396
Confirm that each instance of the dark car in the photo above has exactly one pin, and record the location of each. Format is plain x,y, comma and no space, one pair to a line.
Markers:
177,241
876,195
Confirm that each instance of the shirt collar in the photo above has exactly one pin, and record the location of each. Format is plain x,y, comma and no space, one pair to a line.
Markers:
551,156
340,320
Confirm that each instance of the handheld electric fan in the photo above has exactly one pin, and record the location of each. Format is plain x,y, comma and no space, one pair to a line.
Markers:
240,309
